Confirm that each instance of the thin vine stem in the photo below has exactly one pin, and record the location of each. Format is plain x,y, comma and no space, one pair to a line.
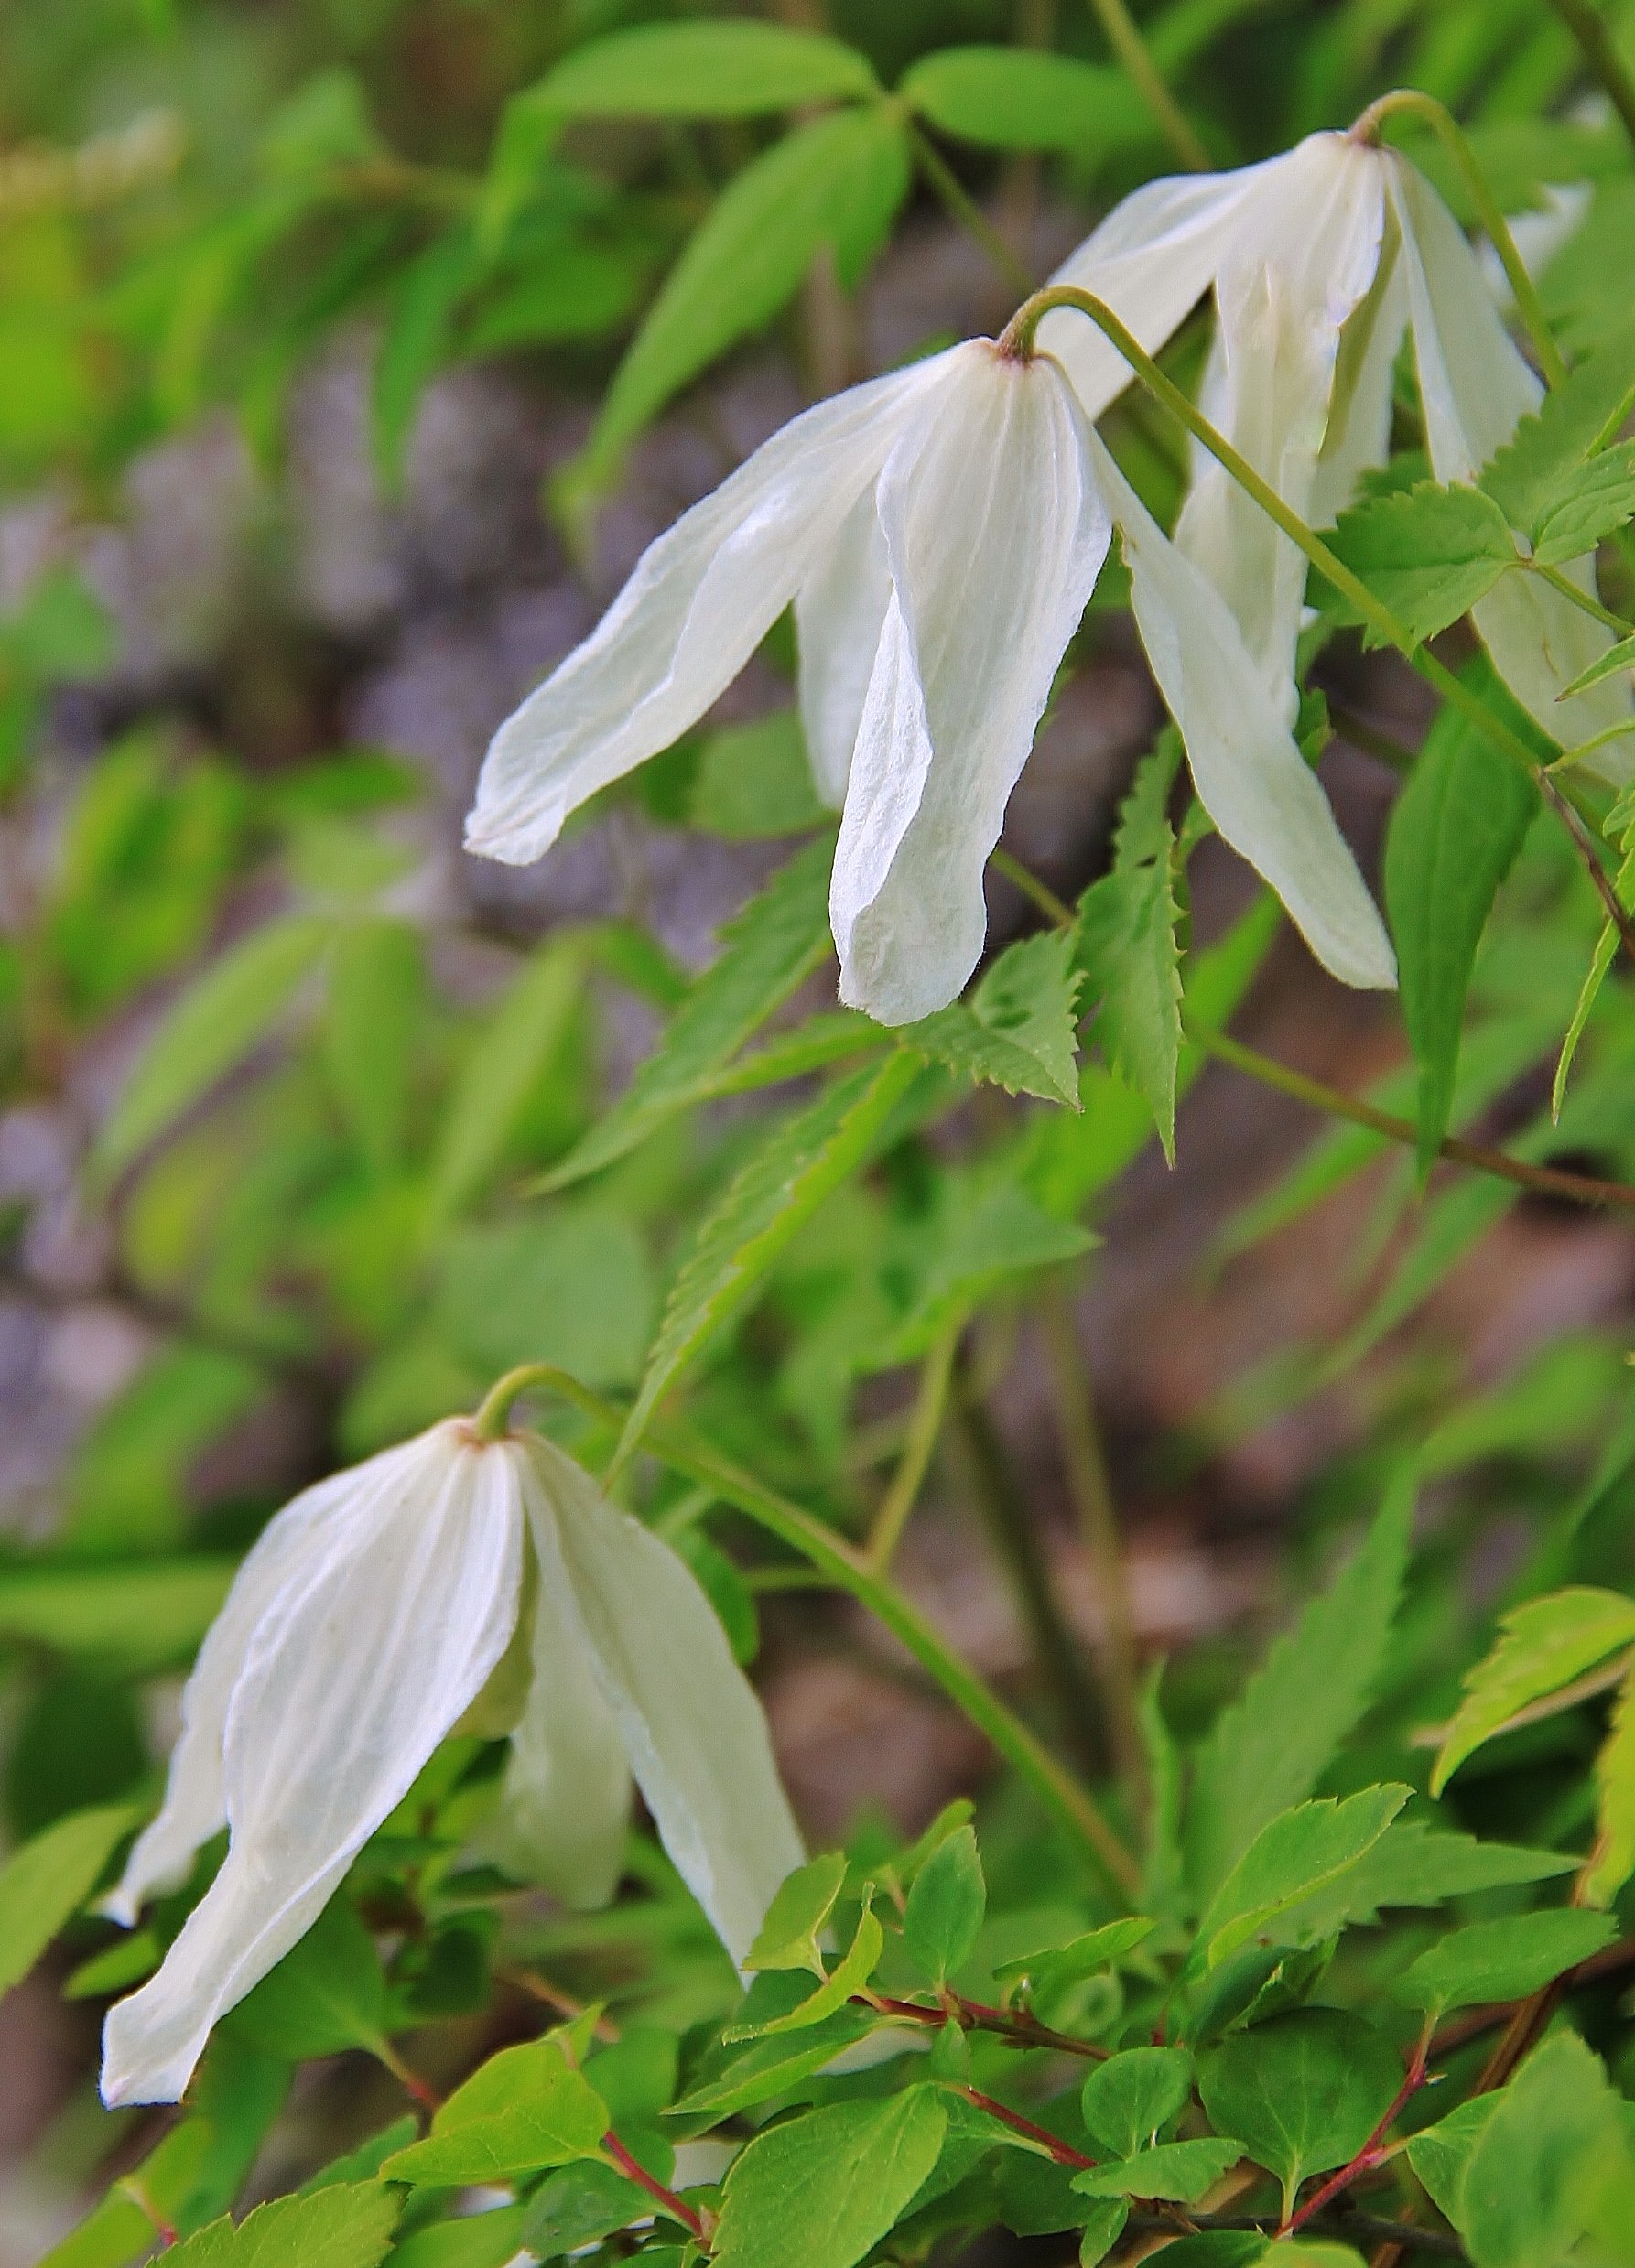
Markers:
667,2199
925,1425
1131,49
1568,590
1415,102
1069,1803
1013,2027
1545,1181
945,183
1588,28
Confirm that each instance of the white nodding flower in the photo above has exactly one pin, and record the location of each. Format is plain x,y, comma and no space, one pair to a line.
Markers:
1324,258
939,531
379,1609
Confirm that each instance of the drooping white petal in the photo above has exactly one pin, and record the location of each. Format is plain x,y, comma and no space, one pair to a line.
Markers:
1252,779
701,598
1474,388
365,1657
565,1800
1359,434
995,537
839,611
1151,261
195,1805
1303,256
693,1729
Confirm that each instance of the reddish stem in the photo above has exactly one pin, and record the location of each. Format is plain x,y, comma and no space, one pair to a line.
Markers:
677,2208
1062,2152
976,2015
1372,2150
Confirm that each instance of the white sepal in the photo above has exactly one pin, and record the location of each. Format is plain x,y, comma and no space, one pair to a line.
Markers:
693,1729
994,536
700,599
1251,777
839,611
367,1655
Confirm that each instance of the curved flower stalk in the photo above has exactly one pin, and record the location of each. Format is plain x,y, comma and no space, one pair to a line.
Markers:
1324,258
456,1578
941,531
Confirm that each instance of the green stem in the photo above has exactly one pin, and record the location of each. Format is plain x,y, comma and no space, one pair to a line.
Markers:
1091,1491
1588,28
1547,1181
941,178
1017,340
923,1426
1131,49
1072,1806
1589,857
1582,599
1449,134
1054,910
1006,1516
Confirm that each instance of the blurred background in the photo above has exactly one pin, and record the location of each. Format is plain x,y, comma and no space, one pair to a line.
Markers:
308,472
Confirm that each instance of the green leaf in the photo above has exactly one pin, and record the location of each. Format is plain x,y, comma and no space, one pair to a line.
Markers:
767,950
1129,945
1181,2170
1302,1851
849,1975
1440,2154
490,2239
1082,1956
1019,1029
488,1098
376,996
1415,1863
1544,1645
1589,505
1612,1861
1537,2170
1502,1960
524,2109
1427,553
1303,2092
986,1234
836,180
1619,657
702,70
143,1616
822,2190
772,2066
1267,1750
1127,2100
799,1162
415,342
1104,2225
219,1019
348,2226
329,1992
1019,98
43,1883
947,1903
570,1284
787,1938
1571,422
1454,836
755,780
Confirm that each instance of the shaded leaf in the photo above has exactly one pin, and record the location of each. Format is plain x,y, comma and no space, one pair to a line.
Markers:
1303,2092
221,1017
43,1883
1127,2100
1454,836
1018,98
524,2109
702,70
1587,507
1266,1750
1612,1861
767,950
799,1160
1182,2170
